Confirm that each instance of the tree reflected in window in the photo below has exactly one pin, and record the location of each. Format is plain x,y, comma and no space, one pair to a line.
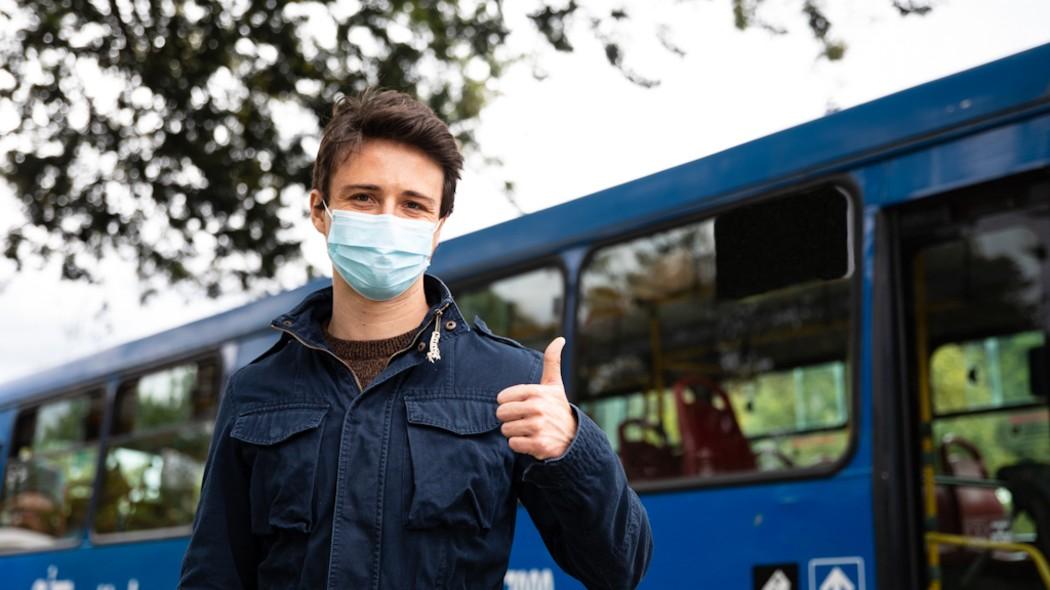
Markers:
525,307
689,379
50,472
155,459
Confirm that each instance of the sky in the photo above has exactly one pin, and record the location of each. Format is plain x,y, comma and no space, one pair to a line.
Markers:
582,127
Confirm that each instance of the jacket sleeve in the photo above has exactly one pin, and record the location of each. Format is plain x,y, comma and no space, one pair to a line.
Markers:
593,523
222,552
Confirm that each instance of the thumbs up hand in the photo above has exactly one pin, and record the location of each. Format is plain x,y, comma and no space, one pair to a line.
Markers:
537,419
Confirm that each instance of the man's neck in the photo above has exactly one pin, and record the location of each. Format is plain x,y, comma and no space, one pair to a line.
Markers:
357,318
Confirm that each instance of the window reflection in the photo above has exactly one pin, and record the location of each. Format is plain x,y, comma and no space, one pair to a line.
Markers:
686,382
155,460
796,417
50,472
161,399
153,482
525,307
983,374
980,308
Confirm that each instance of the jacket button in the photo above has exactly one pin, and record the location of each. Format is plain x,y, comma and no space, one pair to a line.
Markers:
450,325
421,346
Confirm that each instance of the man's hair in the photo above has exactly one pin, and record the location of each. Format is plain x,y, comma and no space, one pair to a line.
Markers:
392,115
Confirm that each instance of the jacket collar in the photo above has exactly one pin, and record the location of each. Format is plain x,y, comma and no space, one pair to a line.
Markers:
306,321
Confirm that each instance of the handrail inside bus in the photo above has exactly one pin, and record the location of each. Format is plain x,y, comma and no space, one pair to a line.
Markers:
935,539
951,480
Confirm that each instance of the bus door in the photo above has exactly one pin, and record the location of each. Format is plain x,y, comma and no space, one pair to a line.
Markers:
975,272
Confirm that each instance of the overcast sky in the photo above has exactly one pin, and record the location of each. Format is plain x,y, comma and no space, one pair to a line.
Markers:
584,127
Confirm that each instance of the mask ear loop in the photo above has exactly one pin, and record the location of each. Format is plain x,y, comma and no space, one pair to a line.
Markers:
330,217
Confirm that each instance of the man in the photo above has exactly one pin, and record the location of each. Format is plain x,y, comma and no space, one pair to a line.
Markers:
383,442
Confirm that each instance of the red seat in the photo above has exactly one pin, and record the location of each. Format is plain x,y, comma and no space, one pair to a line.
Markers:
968,510
712,441
645,460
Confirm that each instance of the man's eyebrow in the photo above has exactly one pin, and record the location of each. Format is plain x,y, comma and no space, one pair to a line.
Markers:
365,187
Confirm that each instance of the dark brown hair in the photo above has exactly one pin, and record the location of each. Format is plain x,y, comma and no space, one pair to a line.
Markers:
387,114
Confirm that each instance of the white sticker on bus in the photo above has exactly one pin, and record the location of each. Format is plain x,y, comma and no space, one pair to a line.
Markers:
533,579
778,581
836,573
133,584
52,582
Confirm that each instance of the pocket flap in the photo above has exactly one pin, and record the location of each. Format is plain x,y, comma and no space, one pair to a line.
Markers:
458,415
272,425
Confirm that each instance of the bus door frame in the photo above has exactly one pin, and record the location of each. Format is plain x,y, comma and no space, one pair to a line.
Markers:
895,462
898,488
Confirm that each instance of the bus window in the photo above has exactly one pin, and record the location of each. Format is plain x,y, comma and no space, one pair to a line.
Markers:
793,417
985,413
156,451
525,307
979,310
985,374
691,378
50,472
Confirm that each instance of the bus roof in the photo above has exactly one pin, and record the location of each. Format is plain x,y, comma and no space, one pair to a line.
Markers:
830,144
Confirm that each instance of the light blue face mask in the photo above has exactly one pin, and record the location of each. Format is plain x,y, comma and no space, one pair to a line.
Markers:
379,256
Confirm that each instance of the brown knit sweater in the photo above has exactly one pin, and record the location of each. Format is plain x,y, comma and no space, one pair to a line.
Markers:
367,358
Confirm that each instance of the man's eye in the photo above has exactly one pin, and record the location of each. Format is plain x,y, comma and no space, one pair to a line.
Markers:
360,197
414,205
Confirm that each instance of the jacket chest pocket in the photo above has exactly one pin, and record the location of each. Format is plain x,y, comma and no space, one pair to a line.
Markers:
461,465
286,443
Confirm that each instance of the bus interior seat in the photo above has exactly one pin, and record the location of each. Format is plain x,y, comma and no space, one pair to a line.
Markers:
968,510
712,441
643,459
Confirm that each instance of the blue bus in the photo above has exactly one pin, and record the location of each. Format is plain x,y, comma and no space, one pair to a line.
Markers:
821,357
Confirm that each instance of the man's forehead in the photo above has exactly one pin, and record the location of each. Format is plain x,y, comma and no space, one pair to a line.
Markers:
375,161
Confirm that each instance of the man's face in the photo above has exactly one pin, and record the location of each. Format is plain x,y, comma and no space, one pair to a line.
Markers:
384,177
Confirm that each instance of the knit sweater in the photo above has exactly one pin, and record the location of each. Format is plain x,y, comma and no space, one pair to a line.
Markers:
367,358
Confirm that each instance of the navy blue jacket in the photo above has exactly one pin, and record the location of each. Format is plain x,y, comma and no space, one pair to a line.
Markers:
312,483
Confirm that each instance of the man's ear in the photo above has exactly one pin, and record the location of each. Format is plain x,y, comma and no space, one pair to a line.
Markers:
317,213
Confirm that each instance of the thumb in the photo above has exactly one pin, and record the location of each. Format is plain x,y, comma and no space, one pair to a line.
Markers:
552,362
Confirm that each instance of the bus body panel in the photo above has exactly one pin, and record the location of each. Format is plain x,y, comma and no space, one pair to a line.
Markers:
973,159
143,565
713,538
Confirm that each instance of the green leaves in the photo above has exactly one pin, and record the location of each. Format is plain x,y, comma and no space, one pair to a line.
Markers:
552,22
152,129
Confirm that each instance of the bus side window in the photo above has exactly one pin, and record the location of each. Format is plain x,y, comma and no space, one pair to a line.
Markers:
698,362
50,472
980,300
157,449
526,307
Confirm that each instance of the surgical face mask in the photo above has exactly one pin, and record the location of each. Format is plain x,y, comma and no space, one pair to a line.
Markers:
379,256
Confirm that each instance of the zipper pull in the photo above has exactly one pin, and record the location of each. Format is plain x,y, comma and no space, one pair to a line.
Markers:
434,354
